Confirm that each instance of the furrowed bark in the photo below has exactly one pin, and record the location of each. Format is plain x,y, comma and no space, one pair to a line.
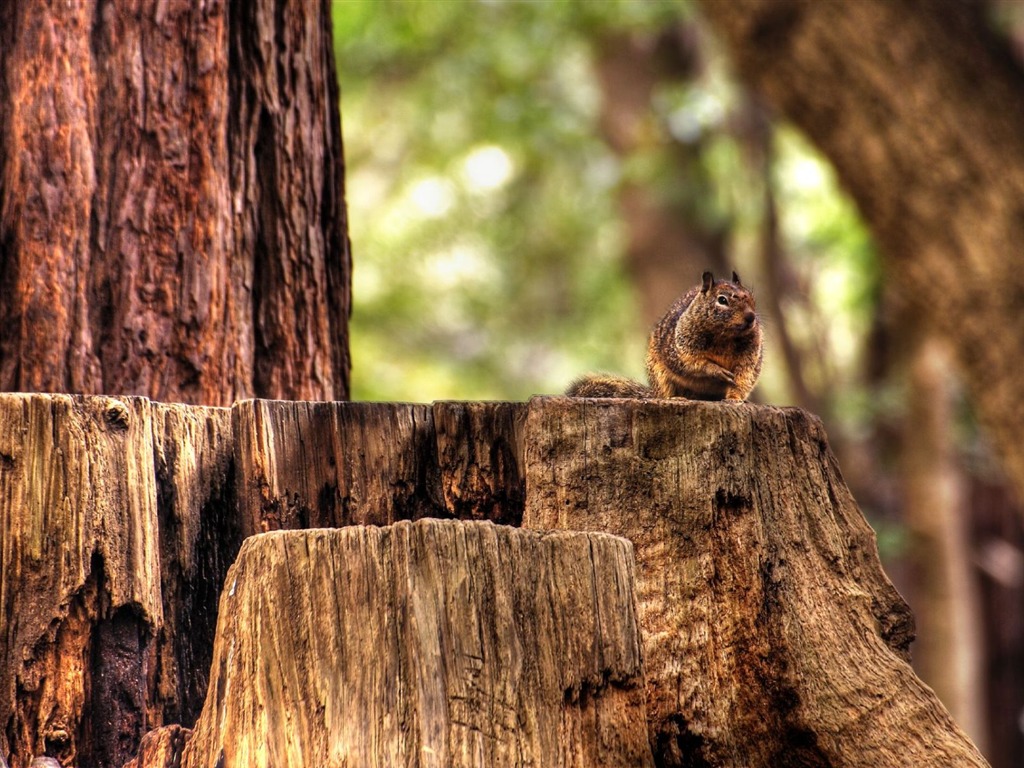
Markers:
172,219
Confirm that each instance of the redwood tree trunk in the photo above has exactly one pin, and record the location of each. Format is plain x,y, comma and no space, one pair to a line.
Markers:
172,220
919,106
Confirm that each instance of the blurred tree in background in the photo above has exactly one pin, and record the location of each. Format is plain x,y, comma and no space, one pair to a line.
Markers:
531,183
485,195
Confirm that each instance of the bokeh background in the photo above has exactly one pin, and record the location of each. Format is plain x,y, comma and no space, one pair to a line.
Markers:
530,184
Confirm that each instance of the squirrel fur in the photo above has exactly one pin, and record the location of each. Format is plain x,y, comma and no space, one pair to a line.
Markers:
708,346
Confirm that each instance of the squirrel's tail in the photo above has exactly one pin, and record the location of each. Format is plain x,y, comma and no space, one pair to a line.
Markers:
604,385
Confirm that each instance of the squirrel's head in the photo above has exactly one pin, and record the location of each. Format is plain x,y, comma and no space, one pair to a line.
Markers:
729,303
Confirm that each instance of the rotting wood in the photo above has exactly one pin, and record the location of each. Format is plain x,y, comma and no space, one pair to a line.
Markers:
161,748
117,526
435,643
79,571
771,634
480,459
200,534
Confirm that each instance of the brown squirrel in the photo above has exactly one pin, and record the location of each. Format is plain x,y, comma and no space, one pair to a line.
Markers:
708,346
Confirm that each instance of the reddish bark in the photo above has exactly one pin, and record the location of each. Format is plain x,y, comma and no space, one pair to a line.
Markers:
172,221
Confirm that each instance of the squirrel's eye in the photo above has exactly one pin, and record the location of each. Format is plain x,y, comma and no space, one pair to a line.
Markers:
723,301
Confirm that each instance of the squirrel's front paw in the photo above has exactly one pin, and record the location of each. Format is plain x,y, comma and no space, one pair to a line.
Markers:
724,374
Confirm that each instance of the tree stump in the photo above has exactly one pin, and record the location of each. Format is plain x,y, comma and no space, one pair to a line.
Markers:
436,643
771,635
116,530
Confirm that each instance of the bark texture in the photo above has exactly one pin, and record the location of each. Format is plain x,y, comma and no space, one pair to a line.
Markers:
919,107
115,535
771,635
421,644
172,220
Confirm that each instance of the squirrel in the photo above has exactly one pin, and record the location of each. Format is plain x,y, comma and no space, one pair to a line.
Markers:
708,346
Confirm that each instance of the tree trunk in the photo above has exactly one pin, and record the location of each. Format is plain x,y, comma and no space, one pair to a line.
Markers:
172,221
119,519
919,107
771,635
949,655
422,644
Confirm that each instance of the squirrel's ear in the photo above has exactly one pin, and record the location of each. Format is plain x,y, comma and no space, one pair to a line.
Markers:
736,278
709,280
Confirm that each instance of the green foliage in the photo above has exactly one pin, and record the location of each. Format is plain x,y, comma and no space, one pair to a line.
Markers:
482,200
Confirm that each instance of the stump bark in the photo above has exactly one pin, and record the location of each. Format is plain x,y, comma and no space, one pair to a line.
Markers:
772,637
115,534
436,643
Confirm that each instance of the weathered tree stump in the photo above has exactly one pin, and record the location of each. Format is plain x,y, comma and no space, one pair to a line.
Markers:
436,643
771,635
115,535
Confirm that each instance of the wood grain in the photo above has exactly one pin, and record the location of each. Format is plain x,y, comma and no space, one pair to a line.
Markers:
771,634
307,465
79,570
117,526
435,643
